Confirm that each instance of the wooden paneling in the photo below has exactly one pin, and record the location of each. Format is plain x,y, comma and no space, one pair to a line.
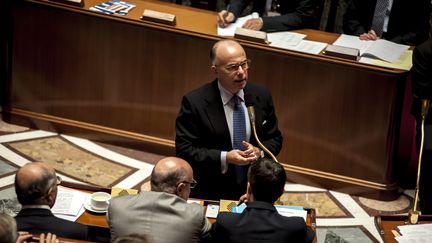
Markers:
73,68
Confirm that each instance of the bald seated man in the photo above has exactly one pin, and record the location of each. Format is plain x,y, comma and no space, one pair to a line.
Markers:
163,214
36,189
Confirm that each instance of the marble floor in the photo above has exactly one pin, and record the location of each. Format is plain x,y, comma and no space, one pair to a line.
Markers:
339,217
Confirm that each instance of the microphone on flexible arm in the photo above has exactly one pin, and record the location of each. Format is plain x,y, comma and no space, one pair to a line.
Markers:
250,102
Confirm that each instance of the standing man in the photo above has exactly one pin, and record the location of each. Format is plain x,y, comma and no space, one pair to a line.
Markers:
399,21
36,189
163,215
295,14
213,131
260,221
422,90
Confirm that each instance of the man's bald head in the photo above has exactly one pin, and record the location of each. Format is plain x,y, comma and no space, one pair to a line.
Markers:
168,173
222,47
33,182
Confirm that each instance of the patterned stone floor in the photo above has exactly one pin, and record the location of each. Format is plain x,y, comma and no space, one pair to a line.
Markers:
340,217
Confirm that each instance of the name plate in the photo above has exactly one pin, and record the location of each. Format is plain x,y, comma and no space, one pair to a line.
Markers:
342,52
159,17
251,35
78,3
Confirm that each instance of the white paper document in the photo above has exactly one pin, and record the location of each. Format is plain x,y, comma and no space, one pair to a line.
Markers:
382,49
230,29
69,203
418,233
285,38
289,211
212,211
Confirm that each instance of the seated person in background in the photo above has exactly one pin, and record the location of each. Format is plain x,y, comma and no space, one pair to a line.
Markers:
295,14
163,214
36,189
400,21
9,233
260,222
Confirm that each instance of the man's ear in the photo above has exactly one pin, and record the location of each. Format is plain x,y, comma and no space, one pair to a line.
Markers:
214,70
51,196
249,189
179,189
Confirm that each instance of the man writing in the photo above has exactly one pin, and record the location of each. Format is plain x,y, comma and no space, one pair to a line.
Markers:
213,132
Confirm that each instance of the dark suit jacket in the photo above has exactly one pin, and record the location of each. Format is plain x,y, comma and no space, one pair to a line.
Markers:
202,133
260,222
408,21
39,220
295,14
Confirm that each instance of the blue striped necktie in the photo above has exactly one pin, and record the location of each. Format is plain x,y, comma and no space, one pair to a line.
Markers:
239,135
379,16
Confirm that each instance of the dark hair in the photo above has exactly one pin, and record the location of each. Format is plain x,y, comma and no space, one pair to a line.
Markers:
8,229
37,189
267,179
167,181
132,238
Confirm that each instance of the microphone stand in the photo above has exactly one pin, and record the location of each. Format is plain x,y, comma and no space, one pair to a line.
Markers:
413,214
251,112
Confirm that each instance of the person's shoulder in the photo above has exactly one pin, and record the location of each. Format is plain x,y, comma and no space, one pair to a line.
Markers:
203,89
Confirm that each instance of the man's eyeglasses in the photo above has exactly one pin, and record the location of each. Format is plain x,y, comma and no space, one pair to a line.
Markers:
235,66
192,183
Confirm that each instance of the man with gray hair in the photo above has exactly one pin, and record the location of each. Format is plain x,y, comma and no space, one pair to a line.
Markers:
36,189
163,214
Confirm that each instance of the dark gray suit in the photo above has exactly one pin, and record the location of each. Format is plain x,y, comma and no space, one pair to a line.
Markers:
202,133
40,220
260,222
163,217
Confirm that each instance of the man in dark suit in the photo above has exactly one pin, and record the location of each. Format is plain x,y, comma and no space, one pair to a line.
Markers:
404,22
205,134
422,90
295,14
260,222
36,189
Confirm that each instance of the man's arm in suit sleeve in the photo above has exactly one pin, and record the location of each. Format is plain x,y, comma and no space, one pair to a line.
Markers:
351,20
302,17
190,144
237,6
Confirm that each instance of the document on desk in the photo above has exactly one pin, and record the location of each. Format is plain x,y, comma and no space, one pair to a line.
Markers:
403,63
291,211
415,233
69,203
382,49
284,39
230,29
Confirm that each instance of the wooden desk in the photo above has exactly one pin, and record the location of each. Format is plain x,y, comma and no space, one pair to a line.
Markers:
120,80
385,225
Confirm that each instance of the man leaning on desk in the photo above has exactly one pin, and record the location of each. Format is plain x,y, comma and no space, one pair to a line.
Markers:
295,14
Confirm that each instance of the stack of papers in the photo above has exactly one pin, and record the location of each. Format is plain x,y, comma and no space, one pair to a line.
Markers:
69,203
415,233
382,49
114,7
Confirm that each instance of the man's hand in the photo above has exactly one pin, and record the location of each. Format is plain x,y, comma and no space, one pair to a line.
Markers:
225,18
371,35
50,238
239,157
244,199
253,24
22,236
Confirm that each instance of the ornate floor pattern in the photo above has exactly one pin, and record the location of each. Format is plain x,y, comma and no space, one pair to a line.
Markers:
340,217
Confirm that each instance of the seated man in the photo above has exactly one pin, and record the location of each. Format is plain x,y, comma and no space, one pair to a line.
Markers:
162,214
295,14
399,21
260,222
36,189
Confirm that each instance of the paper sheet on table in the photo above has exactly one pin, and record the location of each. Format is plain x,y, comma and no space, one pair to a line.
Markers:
230,29
306,46
69,203
284,38
404,62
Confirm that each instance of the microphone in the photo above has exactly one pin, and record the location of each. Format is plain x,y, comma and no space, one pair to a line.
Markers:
250,102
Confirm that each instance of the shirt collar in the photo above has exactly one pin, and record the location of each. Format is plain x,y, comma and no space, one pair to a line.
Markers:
227,96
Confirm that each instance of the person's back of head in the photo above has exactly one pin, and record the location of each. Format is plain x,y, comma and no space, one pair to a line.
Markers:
267,180
8,229
172,175
36,184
